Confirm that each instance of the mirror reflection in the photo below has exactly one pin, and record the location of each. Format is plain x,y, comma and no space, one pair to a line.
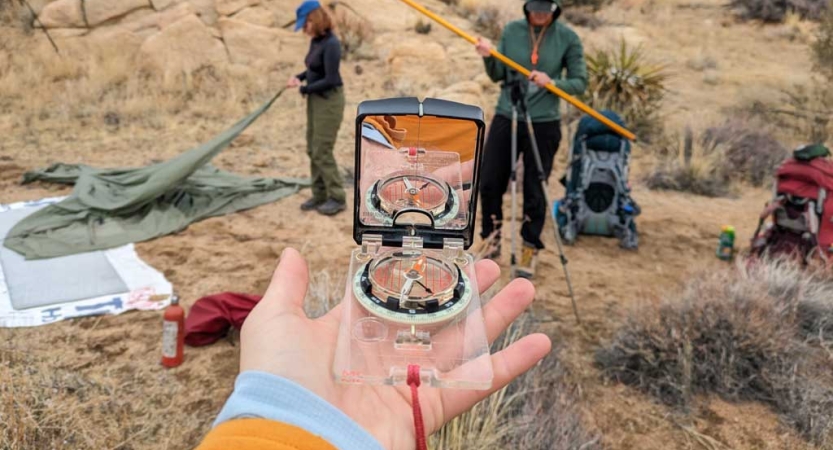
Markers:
416,170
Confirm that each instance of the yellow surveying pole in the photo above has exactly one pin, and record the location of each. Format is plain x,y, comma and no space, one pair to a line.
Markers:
502,58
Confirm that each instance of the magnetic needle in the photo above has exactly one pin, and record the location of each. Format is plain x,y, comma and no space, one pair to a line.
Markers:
405,190
412,286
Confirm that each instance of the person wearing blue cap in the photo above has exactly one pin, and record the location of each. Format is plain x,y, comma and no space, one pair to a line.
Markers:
325,107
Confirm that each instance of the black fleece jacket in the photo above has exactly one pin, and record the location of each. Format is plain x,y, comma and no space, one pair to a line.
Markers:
322,61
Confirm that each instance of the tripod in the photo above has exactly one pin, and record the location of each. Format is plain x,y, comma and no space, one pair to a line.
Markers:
517,94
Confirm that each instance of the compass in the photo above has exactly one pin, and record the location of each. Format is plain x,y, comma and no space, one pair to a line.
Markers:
422,191
413,286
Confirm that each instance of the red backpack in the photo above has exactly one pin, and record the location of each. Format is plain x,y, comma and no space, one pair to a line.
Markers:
798,222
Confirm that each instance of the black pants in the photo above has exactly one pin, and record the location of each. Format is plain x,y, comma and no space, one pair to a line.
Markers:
497,169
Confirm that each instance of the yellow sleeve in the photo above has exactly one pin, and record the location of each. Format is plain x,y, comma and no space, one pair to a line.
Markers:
261,434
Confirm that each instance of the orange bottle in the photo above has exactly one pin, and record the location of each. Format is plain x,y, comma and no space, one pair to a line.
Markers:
173,334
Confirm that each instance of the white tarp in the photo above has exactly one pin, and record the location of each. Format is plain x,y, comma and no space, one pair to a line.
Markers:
43,291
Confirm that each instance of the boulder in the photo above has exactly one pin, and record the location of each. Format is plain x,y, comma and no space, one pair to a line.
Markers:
160,5
468,92
248,43
229,7
110,40
62,14
256,15
418,63
139,21
99,11
64,33
206,11
185,45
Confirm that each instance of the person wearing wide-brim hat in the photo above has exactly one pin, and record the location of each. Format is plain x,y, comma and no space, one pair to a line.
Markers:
547,48
325,107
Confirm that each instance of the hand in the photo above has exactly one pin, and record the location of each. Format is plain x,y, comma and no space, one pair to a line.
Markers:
483,47
539,78
278,338
293,82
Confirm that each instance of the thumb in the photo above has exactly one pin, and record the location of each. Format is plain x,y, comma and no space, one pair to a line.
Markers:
288,287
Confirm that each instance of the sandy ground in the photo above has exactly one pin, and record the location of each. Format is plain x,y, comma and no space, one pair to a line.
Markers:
138,404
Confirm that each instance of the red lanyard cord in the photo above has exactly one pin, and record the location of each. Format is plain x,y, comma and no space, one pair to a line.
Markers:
535,42
419,426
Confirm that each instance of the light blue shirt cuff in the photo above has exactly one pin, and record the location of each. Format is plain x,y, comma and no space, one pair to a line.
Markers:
263,395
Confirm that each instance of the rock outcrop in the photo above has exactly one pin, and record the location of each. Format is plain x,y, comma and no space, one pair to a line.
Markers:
177,35
62,14
185,45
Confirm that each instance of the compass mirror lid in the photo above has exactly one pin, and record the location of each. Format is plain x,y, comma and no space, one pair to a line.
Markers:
417,170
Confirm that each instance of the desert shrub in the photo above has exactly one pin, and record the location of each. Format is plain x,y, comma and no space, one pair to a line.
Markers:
775,11
741,334
422,26
354,30
823,46
749,152
582,18
537,410
688,165
549,416
595,4
624,81
805,112
489,16
737,151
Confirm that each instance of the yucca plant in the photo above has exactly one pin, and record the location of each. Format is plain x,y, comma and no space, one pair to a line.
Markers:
624,81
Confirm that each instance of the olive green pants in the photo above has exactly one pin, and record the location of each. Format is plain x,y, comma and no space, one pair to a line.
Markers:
324,117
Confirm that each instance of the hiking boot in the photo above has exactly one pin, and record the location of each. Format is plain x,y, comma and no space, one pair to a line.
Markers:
311,204
529,259
331,207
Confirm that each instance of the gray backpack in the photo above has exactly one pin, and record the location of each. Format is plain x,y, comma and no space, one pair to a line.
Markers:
598,200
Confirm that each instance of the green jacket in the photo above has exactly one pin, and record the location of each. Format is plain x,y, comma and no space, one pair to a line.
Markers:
560,49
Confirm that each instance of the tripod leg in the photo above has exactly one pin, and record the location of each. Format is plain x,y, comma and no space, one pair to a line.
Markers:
543,178
514,183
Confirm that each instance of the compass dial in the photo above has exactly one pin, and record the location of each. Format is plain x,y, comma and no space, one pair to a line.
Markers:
400,191
412,287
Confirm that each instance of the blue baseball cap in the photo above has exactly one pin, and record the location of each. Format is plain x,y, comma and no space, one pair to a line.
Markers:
303,11
371,133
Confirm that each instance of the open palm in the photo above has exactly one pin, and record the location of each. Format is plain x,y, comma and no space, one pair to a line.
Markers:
278,338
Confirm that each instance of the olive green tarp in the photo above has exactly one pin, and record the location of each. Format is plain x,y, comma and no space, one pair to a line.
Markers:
112,207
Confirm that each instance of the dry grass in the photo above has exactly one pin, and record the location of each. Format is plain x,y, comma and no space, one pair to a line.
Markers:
76,85
712,163
536,411
692,165
59,407
823,45
743,334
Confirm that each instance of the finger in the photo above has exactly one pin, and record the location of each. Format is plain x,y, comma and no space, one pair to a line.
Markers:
507,364
487,272
506,306
288,287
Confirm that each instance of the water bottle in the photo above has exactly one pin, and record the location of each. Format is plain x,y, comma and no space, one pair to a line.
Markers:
726,243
